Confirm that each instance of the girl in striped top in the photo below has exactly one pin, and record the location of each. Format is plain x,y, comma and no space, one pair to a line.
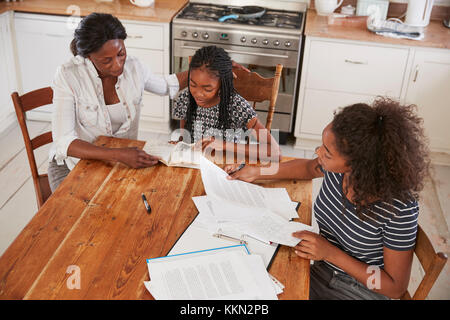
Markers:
374,160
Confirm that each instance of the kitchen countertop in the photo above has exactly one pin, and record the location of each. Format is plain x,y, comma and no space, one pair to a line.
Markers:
436,35
161,11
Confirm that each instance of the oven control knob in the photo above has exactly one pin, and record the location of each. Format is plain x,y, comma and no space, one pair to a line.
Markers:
205,36
287,44
265,42
183,33
254,41
243,39
276,43
194,35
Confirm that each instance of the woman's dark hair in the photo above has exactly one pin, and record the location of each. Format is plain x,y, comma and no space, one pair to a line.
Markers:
93,31
386,148
217,61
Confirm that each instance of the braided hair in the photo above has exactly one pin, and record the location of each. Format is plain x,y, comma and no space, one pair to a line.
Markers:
216,61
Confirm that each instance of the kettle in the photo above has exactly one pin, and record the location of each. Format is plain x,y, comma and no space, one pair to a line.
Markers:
418,12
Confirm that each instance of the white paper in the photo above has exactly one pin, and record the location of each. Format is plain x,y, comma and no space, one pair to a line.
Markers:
221,275
244,194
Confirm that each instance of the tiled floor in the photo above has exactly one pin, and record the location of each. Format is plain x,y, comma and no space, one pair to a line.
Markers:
18,202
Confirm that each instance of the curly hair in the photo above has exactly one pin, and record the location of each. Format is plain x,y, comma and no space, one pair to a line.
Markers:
386,149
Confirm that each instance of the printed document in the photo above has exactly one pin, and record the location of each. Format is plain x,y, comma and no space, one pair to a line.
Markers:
212,274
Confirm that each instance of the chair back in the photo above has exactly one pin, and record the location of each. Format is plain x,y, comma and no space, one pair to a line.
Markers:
254,88
432,263
22,104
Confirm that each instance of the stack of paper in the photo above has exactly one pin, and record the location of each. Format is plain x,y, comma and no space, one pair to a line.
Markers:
226,273
239,207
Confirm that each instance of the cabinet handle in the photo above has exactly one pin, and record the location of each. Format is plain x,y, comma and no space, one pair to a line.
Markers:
355,62
416,73
136,37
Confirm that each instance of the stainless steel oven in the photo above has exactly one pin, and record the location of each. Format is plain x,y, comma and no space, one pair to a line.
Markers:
259,44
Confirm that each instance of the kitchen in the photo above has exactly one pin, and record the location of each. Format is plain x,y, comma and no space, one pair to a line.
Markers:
314,83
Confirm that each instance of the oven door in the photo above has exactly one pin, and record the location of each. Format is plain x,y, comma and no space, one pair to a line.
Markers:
260,60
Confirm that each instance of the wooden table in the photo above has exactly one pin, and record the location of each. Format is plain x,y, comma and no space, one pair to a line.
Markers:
96,221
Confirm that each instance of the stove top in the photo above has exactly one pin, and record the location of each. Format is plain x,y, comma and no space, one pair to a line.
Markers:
271,18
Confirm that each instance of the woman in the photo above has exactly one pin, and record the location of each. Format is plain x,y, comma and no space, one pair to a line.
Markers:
99,92
373,160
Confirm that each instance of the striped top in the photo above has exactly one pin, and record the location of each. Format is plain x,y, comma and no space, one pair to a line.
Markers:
393,226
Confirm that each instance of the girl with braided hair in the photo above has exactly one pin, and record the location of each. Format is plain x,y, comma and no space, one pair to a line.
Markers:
214,114
374,159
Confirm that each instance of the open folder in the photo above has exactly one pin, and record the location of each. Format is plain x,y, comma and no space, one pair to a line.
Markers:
226,273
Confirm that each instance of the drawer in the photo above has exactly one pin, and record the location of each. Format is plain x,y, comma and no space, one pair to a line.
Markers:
355,68
144,36
319,107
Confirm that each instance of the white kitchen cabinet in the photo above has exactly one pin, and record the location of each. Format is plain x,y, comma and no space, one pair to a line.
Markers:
8,83
149,42
42,44
429,89
43,41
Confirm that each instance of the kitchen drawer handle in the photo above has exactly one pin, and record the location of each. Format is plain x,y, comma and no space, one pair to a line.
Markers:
135,37
355,62
244,52
55,35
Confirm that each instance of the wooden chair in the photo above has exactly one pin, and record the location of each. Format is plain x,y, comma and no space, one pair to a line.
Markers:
22,104
432,263
254,88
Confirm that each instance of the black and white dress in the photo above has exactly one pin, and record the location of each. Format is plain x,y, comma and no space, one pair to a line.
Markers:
206,120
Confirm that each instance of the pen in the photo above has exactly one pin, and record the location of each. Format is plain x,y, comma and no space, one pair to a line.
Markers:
147,206
238,168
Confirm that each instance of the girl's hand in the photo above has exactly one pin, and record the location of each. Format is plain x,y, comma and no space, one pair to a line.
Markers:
247,173
313,246
136,158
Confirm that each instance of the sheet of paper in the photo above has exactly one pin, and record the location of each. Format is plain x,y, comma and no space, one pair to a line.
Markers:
199,235
244,194
271,227
224,275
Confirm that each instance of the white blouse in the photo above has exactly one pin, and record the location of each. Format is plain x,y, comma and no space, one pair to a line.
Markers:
79,106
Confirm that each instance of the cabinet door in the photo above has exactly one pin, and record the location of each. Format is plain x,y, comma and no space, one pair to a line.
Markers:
42,46
319,107
7,74
155,106
428,88
356,68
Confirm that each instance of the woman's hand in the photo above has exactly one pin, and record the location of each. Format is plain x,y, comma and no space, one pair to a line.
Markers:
136,158
247,173
313,246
